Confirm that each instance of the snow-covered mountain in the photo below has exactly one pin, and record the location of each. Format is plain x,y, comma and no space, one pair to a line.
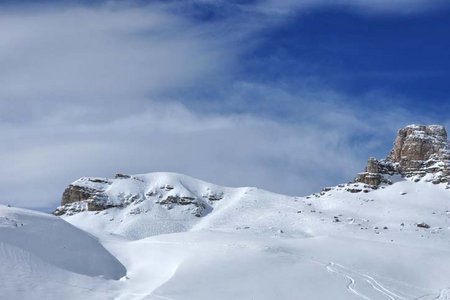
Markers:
139,206
385,235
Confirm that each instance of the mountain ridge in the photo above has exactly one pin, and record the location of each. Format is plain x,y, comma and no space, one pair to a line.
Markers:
419,152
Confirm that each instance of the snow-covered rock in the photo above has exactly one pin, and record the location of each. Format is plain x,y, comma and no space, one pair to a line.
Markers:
138,206
418,151
167,190
419,143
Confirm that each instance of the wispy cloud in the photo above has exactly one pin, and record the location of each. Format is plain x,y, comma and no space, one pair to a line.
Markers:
283,7
103,53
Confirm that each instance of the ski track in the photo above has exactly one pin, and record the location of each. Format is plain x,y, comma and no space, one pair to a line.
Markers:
160,297
353,277
350,285
443,295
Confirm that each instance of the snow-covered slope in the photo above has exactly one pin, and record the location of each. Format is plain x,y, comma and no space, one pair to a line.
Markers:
351,208
347,242
40,253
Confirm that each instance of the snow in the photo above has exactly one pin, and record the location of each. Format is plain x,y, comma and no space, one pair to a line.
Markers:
40,252
251,244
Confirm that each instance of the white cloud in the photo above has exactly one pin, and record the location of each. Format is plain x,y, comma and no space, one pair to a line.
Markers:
283,7
99,53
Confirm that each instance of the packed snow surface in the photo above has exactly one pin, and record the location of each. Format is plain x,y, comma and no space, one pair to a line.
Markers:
347,242
42,255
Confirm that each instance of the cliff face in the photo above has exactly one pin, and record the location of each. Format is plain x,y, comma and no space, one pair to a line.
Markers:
418,150
416,144
85,194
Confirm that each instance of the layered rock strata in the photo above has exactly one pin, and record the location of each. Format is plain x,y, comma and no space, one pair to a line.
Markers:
419,151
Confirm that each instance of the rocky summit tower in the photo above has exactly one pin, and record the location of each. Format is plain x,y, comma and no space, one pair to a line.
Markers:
419,151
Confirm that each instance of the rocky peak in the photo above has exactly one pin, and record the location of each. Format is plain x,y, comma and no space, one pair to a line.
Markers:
415,144
418,150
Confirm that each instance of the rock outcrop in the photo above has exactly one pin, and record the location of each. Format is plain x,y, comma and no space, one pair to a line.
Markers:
419,151
98,194
85,194
418,144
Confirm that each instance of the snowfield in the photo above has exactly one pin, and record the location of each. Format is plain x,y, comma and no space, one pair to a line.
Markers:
347,242
41,254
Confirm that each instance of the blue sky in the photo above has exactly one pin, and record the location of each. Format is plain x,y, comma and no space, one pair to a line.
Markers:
285,95
356,53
